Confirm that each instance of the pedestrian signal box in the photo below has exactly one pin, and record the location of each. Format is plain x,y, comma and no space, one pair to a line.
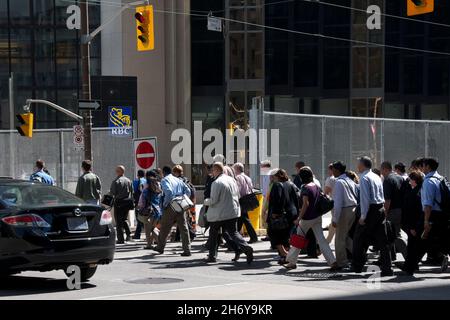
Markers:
145,34
26,124
416,7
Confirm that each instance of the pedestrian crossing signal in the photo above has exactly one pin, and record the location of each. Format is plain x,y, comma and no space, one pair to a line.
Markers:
145,37
416,7
26,127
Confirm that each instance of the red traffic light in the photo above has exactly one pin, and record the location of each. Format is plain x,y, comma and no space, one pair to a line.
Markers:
139,17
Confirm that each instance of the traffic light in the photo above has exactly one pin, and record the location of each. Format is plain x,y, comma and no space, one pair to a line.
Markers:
416,7
26,127
145,36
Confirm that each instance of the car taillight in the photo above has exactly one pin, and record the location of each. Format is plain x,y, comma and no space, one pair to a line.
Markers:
106,218
26,220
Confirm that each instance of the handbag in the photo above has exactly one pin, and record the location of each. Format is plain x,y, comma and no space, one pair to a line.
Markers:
125,204
279,223
181,204
324,203
108,200
202,217
249,202
298,241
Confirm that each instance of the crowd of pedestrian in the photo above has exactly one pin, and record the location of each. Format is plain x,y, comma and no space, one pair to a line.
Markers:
389,210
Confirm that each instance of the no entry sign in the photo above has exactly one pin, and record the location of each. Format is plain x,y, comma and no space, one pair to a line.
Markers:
145,153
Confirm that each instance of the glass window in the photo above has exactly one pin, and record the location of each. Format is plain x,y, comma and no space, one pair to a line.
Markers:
44,42
336,70
359,67
61,12
22,72
237,108
66,43
413,74
237,56
4,46
237,3
207,62
3,12
238,15
45,72
435,111
392,71
67,73
306,66
277,63
254,56
19,12
20,42
438,76
375,67
394,110
359,108
43,12
254,16
335,107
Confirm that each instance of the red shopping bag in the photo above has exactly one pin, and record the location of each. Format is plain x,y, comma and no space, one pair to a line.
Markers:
298,241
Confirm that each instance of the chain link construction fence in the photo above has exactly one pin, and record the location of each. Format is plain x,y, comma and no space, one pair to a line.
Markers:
18,155
319,140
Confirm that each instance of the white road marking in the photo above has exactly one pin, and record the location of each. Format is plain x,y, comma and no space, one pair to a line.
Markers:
164,291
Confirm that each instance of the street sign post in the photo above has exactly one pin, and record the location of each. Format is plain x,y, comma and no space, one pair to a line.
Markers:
78,137
89,105
145,154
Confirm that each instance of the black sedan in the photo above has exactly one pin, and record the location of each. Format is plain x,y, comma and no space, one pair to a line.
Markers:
46,228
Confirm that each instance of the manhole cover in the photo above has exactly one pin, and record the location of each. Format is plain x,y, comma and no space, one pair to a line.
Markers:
153,280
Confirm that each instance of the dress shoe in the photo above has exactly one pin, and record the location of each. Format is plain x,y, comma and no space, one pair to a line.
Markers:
210,260
157,250
237,256
129,239
186,254
290,266
253,241
389,273
120,242
250,256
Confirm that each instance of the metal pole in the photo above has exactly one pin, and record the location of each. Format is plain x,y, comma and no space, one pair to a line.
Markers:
86,79
61,159
11,125
323,151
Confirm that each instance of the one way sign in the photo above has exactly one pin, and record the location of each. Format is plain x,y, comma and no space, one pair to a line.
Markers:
88,105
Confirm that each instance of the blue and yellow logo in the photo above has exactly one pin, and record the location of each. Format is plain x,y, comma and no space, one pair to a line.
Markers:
120,120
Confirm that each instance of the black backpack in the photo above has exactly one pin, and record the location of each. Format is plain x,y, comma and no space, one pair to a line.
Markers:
444,186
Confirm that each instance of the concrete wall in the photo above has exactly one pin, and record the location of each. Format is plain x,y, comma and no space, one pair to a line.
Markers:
164,99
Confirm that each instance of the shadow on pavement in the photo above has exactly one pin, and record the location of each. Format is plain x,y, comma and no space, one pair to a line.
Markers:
22,285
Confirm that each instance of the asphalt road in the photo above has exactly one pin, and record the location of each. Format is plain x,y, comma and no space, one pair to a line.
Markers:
140,274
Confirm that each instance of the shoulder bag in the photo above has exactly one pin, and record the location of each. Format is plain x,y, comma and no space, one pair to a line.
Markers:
181,204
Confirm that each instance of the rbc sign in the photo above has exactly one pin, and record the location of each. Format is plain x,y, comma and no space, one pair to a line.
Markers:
120,120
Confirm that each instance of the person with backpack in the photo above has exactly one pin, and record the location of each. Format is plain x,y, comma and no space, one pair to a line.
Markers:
138,186
40,175
310,218
435,197
149,207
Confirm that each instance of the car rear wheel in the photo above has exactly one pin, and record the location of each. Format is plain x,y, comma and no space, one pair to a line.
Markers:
86,272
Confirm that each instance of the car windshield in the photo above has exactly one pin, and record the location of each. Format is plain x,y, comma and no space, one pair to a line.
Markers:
23,195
